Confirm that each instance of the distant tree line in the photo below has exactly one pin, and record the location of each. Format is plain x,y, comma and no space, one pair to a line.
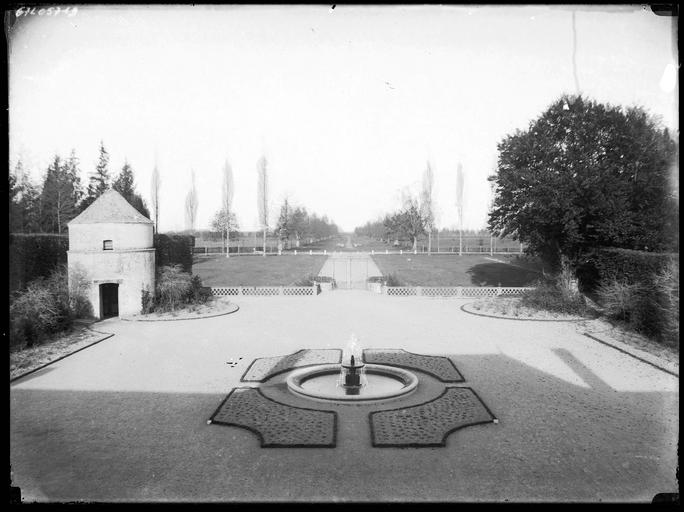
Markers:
48,206
413,220
295,225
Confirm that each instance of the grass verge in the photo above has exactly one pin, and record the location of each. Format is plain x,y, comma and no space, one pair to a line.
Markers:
454,270
257,270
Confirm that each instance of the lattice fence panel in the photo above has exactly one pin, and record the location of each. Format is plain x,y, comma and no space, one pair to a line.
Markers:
474,291
222,291
400,291
441,291
455,291
514,290
298,290
263,291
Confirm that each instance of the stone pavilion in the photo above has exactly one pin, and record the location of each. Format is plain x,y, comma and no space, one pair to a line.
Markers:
111,248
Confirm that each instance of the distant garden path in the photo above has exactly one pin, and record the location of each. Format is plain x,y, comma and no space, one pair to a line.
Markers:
350,270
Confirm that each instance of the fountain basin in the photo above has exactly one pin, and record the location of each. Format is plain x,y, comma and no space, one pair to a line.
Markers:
321,383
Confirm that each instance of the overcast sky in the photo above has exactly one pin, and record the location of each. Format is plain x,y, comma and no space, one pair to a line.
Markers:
348,105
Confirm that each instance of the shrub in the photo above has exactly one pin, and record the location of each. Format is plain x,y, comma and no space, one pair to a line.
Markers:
199,294
173,288
147,302
313,279
550,295
649,306
308,280
58,287
666,285
33,314
46,306
78,293
393,280
618,298
323,279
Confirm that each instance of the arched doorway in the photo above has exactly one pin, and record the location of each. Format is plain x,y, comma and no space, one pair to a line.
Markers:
109,300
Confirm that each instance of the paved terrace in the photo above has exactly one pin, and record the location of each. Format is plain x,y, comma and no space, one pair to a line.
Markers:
126,420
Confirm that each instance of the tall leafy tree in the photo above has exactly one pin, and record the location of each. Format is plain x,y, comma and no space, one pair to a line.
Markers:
586,175
411,220
225,222
299,224
262,195
99,181
124,184
60,195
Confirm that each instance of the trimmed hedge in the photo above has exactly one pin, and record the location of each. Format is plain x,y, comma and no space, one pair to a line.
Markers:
35,255
622,265
174,250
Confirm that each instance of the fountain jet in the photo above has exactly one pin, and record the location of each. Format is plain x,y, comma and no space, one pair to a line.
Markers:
352,372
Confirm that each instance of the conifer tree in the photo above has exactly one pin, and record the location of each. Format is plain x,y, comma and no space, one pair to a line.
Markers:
99,180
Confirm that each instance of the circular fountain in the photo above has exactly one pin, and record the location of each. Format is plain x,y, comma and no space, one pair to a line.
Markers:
352,380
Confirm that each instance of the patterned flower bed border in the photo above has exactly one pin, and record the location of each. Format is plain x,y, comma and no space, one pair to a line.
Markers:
439,367
429,424
263,368
277,425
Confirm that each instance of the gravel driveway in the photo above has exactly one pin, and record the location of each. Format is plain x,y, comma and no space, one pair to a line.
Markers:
126,420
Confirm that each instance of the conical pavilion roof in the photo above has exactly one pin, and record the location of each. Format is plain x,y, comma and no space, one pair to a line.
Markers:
111,207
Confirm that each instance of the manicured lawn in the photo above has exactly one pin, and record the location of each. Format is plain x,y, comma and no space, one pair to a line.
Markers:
257,270
448,270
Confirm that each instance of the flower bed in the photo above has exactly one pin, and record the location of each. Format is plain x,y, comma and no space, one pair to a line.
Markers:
215,306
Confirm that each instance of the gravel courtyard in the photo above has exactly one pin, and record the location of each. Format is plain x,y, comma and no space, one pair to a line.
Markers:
126,419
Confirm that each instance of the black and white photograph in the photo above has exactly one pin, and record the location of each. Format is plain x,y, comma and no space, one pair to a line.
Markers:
351,253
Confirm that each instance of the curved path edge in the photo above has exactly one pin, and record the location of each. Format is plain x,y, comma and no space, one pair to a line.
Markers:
105,337
200,317
521,319
652,360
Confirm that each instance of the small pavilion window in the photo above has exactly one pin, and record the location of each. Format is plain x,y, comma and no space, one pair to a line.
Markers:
107,245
